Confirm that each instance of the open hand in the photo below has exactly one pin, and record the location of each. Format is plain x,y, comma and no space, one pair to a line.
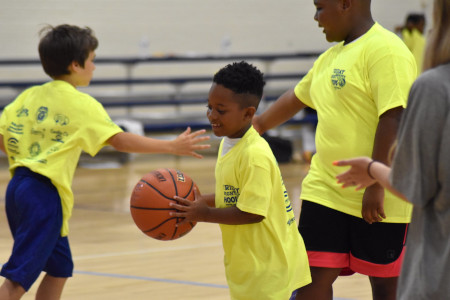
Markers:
357,174
187,143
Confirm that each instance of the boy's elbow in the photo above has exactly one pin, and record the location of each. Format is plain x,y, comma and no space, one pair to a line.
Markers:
259,219
116,141
249,218
256,218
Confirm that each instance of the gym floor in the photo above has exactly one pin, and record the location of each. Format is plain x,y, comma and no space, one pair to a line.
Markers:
115,260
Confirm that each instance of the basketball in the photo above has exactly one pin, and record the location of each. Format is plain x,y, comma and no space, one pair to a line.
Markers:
150,199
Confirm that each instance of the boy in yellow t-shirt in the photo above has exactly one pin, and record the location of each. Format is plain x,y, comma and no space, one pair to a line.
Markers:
412,35
265,257
359,88
43,132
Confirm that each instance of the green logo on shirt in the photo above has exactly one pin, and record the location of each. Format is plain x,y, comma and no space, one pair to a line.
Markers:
58,135
338,79
61,119
15,128
22,112
41,114
35,149
13,145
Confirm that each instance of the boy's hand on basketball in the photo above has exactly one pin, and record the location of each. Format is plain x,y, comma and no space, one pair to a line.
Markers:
373,204
187,143
191,211
357,175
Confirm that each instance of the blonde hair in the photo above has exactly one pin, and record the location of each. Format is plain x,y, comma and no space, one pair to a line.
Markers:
437,51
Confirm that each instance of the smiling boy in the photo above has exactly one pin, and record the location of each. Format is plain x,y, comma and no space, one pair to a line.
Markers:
359,88
265,257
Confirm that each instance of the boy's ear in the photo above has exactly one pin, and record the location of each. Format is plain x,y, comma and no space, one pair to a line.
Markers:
250,112
74,67
346,4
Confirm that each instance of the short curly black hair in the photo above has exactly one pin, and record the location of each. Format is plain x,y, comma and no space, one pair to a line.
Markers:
415,18
64,44
242,78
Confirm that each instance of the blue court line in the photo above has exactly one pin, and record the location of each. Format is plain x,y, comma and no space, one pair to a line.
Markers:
211,285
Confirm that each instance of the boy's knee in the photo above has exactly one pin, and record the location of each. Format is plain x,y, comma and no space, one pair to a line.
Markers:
10,290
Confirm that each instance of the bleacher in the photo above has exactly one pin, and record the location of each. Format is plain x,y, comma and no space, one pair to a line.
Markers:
165,93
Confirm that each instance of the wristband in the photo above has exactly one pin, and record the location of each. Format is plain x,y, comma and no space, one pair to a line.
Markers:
368,168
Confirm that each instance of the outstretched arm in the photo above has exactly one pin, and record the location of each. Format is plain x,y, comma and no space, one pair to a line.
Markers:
187,143
364,172
283,109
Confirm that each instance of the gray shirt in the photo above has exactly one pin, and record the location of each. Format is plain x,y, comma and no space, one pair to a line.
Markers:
421,171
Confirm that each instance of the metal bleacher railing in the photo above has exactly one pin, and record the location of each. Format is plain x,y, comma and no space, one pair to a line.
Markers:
169,109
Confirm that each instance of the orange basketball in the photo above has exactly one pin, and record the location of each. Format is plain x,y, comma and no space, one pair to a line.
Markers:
149,204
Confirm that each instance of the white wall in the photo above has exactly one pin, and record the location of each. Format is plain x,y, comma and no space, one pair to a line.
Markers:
181,26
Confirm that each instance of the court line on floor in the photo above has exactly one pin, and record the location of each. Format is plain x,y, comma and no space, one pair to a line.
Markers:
146,251
100,274
174,281
211,285
112,275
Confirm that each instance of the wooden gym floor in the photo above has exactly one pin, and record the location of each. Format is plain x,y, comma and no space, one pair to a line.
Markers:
114,260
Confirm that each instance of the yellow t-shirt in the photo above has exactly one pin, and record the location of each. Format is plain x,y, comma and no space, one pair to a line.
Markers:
265,260
45,129
415,41
350,87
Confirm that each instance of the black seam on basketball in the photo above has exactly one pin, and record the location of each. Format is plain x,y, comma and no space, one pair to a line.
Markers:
174,182
142,180
159,225
190,189
174,231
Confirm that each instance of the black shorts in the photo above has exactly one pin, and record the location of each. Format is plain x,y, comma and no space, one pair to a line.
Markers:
337,240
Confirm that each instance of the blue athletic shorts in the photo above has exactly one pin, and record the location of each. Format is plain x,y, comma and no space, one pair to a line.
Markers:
33,209
337,240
